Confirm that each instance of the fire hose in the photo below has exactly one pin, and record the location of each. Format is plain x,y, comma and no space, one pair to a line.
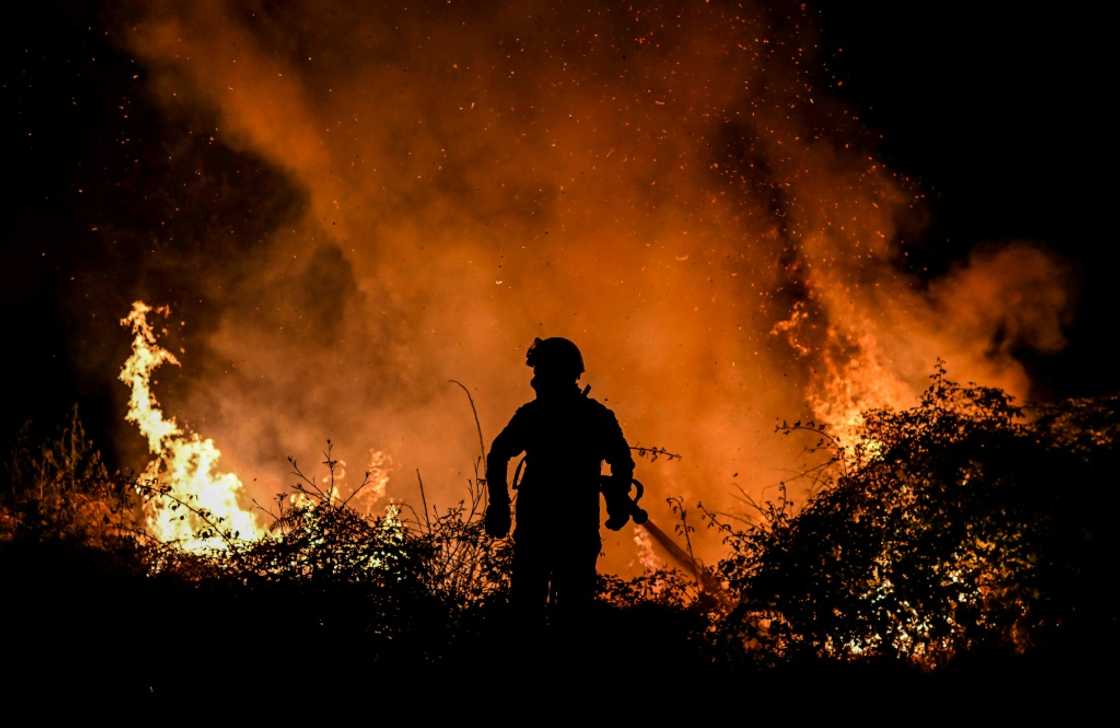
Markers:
639,515
665,541
641,519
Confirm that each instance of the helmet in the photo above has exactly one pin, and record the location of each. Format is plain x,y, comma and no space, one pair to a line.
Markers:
555,355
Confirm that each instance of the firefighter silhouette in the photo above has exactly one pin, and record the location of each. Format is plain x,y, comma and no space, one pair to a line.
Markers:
566,436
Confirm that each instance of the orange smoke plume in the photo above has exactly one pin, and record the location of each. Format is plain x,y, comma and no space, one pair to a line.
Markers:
666,187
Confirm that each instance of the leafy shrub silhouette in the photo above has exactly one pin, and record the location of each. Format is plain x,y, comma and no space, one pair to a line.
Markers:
964,524
328,586
966,527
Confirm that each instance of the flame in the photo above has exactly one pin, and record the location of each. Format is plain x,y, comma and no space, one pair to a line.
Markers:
199,508
844,388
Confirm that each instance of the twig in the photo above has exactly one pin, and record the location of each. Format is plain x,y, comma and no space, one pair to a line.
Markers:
201,513
299,473
477,424
270,513
423,500
677,504
655,452
365,481
415,515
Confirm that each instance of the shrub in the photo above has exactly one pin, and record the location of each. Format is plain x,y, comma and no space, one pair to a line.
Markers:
60,488
963,524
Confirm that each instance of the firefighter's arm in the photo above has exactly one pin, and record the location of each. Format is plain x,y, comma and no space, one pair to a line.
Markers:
506,445
617,487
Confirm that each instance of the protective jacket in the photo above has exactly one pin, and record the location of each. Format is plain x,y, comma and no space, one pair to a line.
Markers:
566,437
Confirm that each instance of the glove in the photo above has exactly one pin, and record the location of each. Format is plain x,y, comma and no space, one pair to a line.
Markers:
618,512
497,519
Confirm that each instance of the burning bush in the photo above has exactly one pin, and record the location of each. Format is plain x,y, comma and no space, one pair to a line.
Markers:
962,525
60,488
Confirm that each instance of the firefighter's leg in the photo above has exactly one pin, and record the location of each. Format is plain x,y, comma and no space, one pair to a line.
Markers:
574,587
529,584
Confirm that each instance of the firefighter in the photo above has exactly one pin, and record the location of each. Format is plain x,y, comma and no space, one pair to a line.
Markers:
566,436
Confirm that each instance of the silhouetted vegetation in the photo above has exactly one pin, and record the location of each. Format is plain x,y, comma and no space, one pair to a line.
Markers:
960,526
966,531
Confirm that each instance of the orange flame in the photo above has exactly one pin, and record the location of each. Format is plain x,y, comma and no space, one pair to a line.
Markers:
199,508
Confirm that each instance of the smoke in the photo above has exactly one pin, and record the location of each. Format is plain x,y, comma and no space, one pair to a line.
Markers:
663,185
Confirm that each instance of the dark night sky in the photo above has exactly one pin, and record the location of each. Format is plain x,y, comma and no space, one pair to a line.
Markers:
997,113
998,110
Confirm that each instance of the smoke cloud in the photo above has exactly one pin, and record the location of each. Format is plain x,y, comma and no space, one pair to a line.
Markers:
664,186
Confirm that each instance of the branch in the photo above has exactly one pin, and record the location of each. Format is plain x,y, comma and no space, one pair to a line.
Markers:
423,500
200,512
477,424
654,452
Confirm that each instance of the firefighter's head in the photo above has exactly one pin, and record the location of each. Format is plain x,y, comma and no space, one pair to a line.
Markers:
555,361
